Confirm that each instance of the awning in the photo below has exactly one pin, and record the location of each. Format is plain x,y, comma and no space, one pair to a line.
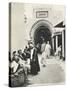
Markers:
58,31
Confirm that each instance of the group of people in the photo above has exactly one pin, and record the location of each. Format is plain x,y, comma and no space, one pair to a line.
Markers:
29,59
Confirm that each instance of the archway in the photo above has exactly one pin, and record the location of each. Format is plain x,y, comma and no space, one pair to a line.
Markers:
42,32
42,28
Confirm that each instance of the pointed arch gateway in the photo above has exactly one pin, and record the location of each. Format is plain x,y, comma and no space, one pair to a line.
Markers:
42,28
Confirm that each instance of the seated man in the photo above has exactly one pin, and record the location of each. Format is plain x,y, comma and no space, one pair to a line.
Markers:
24,61
18,65
58,51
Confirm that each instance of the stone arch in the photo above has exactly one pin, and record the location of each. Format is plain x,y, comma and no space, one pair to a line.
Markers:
39,23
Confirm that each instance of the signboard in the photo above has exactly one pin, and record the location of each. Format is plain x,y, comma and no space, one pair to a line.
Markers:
41,14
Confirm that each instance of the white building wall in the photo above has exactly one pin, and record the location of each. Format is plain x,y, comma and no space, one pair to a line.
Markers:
20,30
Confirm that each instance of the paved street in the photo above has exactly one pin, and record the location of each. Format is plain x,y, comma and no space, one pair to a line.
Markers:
52,73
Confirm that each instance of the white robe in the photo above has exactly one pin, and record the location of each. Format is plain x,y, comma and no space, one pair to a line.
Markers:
43,55
48,49
14,65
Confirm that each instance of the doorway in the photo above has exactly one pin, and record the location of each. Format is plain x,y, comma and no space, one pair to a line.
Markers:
42,29
43,32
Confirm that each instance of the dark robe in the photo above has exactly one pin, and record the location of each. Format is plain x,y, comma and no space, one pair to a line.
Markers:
35,68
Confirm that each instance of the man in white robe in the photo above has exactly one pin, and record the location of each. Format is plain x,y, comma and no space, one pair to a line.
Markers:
48,49
43,57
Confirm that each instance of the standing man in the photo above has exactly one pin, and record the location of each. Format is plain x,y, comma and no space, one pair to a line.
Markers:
43,57
48,49
35,68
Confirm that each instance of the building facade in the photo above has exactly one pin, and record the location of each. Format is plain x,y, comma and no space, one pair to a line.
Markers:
35,21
